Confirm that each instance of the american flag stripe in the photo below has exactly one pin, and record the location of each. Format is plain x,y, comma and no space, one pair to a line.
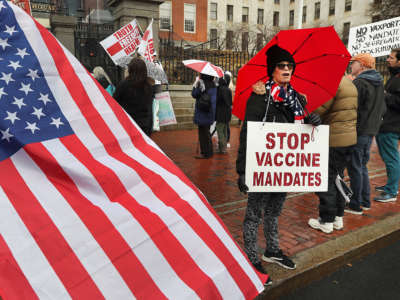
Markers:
67,104
99,126
154,225
98,215
28,255
11,273
111,148
87,260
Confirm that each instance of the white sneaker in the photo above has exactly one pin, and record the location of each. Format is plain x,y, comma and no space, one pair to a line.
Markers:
324,227
338,223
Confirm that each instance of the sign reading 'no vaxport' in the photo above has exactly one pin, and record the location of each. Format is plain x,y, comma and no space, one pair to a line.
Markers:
376,38
287,157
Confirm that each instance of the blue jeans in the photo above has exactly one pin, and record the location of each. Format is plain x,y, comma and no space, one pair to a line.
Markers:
388,149
358,172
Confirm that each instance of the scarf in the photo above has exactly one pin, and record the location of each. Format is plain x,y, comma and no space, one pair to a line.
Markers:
288,98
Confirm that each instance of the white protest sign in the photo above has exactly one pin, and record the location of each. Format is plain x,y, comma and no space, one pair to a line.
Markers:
376,38
166,113
287,157
122,43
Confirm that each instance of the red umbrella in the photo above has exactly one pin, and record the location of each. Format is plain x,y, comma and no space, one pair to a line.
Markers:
204,67
321,60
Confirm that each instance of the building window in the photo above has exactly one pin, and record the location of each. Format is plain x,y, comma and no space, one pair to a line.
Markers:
276,1
213,11
245,14
346,30
190,17
213,38
347,5
229,13
259,41
291,17
275,21
245,41
331,7
304,18
165,15
317,10
260,16
229,39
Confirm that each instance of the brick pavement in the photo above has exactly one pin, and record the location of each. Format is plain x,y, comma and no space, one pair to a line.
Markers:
216,178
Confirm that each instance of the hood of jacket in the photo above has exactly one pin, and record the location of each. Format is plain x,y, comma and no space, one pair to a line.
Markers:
372,76
259,88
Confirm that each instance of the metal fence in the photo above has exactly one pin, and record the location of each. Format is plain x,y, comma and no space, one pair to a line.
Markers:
172,55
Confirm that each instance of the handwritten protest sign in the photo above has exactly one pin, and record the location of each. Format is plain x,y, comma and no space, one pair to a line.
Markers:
166,113
376,38
122,43
287,157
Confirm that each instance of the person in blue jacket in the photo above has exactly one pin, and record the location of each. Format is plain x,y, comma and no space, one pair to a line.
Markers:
203,118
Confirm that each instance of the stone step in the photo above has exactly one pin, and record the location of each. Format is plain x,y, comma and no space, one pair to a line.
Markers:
183,104
183,111
184,118
179,126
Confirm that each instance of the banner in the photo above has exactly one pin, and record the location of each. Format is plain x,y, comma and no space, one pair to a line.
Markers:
377,38
287,157
24,4
122,43
146,47
166,111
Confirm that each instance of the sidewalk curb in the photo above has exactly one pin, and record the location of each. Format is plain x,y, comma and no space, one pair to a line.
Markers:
324,259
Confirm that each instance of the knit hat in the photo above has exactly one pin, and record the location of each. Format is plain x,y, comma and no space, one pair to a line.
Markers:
276,54
366,59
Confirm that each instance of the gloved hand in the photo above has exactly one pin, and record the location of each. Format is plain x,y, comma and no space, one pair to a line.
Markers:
242,184
313,119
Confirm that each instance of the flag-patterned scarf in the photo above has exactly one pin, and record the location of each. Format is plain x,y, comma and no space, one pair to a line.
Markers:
288,98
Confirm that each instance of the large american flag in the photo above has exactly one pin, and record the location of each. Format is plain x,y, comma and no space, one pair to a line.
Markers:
90,207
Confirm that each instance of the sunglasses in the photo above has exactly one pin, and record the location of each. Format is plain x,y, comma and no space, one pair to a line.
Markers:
281,66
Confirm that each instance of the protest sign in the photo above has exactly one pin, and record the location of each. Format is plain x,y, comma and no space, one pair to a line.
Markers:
146,47
24,4
166,111
376,38
287,157
122,43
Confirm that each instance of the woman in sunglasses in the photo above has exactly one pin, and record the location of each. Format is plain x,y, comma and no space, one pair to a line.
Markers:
275,101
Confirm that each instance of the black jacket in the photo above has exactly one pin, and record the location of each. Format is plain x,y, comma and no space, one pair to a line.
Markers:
255,111
224,103
391,120
137,102
371,104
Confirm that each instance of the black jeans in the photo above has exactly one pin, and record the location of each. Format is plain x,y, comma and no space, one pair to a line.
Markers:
206,148
330,203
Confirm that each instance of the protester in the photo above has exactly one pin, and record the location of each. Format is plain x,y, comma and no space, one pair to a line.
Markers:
285,106
371,107
340,113
205,93
389,133
135,95
105,81
223,111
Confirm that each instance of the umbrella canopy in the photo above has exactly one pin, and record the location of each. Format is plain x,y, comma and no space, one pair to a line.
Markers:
156,71
321,60
204,67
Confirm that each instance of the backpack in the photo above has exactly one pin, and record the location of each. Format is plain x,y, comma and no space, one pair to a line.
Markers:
204,102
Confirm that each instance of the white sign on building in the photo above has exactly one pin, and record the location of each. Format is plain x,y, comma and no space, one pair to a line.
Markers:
287,157
376,38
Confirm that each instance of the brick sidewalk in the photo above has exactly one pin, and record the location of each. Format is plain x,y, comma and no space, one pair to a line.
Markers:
216,178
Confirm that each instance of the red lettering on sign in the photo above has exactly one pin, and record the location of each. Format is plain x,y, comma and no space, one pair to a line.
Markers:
268,160
305,139
258,178
293,141
315,160
276,162
260,160
281,135
271,140
287,179
318,179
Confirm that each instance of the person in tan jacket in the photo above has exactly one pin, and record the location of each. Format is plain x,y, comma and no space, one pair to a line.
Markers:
340,113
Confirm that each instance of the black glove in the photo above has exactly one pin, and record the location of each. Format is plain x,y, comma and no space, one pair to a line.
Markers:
242,184
313,119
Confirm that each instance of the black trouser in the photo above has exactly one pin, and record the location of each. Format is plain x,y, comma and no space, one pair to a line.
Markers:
330,203
206,148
